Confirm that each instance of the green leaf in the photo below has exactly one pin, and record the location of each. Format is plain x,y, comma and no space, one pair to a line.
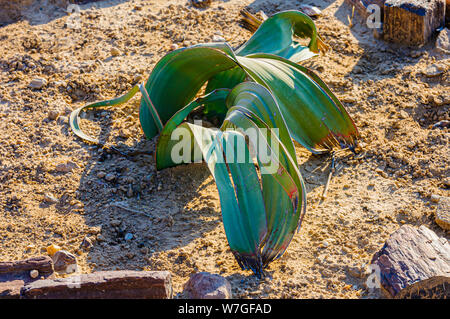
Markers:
276,36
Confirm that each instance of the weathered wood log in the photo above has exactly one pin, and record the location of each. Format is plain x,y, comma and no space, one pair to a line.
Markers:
412,22
15,274
433,288
123,284
43,264
411,256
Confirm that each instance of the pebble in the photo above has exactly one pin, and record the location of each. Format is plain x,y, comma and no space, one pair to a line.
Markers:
110,177
218,38
64,262
128,236
53,115
173,47
50,199
101,174
115,222
205,285
442,213
86,244
435,198
52,249
311,11
434,70
66,167
34,274
37,83
115,51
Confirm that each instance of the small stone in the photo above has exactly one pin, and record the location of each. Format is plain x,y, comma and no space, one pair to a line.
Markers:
442,213
115,51
434,70
218,38
435,198
403,114
173,47
34,274
325,244
115,222
100,238
110,177
37,83
52,249
53,115
205,285
101,174
311,11
86,244
66,167
128,236
64,262
50,199
443,41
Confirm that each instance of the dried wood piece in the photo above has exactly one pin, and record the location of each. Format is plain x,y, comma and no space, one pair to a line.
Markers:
412,22
433,288
410,256
123,284
15,274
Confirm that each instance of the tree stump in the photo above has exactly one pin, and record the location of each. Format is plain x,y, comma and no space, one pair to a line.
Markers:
412,22
122,284
412,256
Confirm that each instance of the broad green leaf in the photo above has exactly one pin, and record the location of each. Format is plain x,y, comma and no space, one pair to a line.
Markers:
276,36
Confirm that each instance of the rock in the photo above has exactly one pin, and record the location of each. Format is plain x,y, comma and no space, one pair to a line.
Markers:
52,249
50,199
64,262
443,41
205,285
412,22
115,52
435,198
128,236
310,10
37,83
110,177
101,174
34,273
66,167
442,213
218,38
115,222
53,115
173,47
410,256
86,244
434,70
123,284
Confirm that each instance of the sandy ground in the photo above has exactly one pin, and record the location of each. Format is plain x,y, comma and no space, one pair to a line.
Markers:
174,215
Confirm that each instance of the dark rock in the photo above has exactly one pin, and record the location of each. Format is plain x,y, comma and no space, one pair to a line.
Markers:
204,285
123,284
410,256
64,262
